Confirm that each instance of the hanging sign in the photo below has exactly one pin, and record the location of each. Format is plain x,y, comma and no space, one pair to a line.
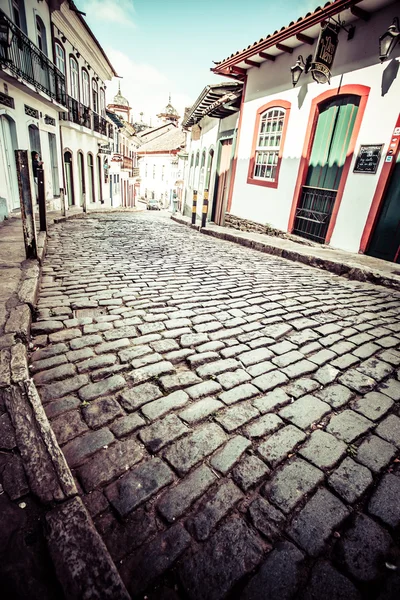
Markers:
368,158
325,53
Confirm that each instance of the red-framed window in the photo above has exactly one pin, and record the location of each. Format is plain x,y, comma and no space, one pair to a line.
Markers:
268,143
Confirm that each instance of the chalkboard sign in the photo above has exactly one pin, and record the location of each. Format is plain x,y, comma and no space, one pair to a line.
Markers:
368,158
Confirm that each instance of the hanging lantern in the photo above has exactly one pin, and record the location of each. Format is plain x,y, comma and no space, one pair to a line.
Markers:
388,40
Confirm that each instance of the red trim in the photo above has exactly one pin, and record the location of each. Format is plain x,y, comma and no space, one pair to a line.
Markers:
273,104
380,192
234,162
357,90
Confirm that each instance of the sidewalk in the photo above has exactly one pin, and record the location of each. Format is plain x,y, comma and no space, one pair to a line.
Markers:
347,264
49,547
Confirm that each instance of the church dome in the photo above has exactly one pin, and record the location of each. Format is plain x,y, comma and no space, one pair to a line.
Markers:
119,99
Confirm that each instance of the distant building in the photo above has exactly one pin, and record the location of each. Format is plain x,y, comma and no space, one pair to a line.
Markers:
161,167
123,166
169,114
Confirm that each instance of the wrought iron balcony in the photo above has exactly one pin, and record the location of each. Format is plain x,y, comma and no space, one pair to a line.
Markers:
127,163
135,172
25,60
99,124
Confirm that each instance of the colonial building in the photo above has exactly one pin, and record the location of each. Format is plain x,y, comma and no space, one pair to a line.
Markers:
161,162
317,149
85,131
32,96
212,121
124,169
52,101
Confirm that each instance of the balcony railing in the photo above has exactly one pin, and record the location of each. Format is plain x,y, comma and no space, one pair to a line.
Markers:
135,172
82,115
99,124
25,60
127,163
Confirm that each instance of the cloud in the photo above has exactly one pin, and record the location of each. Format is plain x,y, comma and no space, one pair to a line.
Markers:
145,86
110,11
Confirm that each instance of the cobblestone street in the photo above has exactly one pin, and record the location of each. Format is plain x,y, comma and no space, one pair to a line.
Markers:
231,418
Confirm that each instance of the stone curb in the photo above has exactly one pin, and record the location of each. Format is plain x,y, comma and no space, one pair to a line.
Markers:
338,268
81,560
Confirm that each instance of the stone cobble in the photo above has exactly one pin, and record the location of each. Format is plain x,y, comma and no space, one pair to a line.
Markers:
212,407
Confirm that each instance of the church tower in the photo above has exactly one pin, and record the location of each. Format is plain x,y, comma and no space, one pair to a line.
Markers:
120,106
169,114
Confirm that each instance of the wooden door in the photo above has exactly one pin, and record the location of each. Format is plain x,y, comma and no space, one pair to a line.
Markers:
223,181
328,155
385,240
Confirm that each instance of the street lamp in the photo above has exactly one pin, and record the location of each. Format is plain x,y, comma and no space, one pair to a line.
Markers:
389,39
299,68
6,33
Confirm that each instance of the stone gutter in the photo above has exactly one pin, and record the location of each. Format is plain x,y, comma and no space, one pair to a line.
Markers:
81,560
346,264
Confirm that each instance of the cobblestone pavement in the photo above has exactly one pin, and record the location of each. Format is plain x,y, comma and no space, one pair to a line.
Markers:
231,418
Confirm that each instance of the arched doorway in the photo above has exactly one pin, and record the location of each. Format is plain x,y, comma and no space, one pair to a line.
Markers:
92,197
69,177
81,174
9,144
334,123
99,177
34,139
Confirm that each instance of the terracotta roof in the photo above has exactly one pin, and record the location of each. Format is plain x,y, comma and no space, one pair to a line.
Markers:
229,66
173,139
216,100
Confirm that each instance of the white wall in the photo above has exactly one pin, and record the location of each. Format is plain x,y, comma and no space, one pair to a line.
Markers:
356,63
22,121
161,185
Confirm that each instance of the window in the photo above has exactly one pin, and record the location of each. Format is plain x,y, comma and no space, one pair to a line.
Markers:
41,35
74,77
145,170
269,135
154,171
60,58
102,102
202,167
95,92
162,172
85,88
18,14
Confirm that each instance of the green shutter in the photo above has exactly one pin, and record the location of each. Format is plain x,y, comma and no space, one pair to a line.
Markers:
331,141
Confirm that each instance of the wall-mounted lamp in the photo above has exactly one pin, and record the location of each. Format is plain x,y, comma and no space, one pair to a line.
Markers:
388,40
63,39
78,55
299,68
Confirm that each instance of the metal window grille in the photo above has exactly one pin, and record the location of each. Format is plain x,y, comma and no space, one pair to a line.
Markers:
31,112
49,120
268,144
7,100
314,213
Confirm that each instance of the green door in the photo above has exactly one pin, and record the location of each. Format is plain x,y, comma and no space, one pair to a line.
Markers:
385,241
328,155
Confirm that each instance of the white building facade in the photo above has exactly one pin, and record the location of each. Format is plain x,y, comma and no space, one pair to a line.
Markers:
32,96
52,101
322,160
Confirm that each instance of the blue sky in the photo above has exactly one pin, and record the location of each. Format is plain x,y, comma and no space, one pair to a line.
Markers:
162,46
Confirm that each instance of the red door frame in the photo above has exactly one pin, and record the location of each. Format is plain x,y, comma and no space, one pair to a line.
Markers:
382,185
357,90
